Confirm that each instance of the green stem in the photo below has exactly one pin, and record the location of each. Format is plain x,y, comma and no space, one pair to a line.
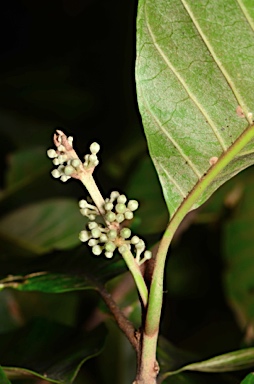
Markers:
136,273
156,290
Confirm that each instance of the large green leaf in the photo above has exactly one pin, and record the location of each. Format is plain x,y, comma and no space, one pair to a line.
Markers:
49,350
194,75
42,227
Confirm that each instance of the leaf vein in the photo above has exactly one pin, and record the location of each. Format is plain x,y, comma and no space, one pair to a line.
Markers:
172,179
246,14
184,85
217,60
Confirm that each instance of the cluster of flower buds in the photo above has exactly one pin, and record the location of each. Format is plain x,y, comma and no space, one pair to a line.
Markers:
107,238
66,159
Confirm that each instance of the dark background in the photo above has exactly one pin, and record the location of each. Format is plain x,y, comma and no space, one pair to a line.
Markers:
70,64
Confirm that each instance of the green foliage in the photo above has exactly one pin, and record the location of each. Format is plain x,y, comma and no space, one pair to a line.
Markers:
189,85
49,350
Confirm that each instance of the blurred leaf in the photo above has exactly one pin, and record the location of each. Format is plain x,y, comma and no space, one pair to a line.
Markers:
3,378
249,379
238,246
64,273
49,350
42,227
186,50
173,358
228,362
25,166
152,215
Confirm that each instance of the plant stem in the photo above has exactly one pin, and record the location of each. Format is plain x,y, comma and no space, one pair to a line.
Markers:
124,324
152,323
137,275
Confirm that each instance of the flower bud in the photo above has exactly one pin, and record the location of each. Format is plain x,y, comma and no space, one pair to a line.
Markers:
94,148
84,236
97,250
51,153
133,205
122,199
125,233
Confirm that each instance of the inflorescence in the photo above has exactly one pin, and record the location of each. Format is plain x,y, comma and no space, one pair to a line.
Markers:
107,238
105,231
65,158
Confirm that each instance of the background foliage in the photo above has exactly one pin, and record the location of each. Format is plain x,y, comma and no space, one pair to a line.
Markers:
70,64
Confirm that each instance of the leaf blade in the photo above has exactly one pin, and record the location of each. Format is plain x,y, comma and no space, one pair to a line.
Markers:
184,128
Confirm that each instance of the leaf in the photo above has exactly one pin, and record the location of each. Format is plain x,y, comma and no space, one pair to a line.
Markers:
42,227
49,350
25,166
171,359
238,253
64,273
228,362
249,379
3,378
194,75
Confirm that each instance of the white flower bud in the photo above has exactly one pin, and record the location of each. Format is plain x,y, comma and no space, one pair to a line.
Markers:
135,240
51,153
147,255
110,246
97,250
64,178
114,195
103,238
112,234
120,208
75,163
109,255
55,173
69,170
108,206
122,199
92,225
84,236
128,215
82,203
133,205
140,245
56,161
110,216
92,242
125,233
94,148
96,233
120,217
